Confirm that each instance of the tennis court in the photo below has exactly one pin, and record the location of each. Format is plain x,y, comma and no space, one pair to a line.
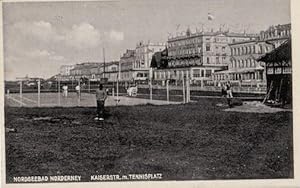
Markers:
85,100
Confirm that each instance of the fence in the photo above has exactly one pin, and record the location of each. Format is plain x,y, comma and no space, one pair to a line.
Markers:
47,93
52,93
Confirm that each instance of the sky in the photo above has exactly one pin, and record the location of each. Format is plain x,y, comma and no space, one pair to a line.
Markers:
39,37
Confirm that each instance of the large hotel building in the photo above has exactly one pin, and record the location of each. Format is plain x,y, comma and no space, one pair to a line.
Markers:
204,58
244,68
211,58
198,55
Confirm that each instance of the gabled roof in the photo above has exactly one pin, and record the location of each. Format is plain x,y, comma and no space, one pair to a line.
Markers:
282,53
159,59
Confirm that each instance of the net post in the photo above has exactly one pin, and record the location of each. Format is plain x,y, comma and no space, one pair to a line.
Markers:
150,81
187,90
117,89
79,93
183,90
58,91
89,86
39,92
168,97
21,91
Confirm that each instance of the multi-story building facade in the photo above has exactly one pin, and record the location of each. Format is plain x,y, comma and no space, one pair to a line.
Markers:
95,71
244,68
126,66
276,34
198,55
143,57
86,69
65,69
111,71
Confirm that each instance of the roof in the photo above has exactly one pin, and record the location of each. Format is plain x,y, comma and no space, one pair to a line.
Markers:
282,53
245,42
93,65
128,54
225,33
159,59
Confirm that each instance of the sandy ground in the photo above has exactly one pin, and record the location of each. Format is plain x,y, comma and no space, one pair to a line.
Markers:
255,107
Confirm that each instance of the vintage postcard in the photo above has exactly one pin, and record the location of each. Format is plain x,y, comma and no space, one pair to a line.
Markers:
148,92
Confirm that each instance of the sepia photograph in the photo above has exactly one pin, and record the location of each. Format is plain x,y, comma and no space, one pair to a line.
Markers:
131,91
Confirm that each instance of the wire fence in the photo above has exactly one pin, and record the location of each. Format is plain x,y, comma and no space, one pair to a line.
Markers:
82,93
69,93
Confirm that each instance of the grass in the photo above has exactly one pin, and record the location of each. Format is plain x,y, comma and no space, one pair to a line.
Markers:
183,142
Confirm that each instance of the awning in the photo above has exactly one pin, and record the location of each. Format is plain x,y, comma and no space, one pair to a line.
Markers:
244,70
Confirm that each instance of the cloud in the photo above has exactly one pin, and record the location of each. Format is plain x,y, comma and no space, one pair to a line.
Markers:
35,55
116,35
38,54
83,36
57,58
41,30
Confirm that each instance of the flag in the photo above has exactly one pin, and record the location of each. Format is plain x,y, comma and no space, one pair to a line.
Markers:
210,17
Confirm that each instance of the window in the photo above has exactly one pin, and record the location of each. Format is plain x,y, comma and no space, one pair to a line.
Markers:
260,49
223,49
208,73
196,73
217,60
207,47
202,73
207,60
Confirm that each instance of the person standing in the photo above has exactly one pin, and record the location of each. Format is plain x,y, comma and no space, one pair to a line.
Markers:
229,95
65,90
223,90
77,88
101,96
